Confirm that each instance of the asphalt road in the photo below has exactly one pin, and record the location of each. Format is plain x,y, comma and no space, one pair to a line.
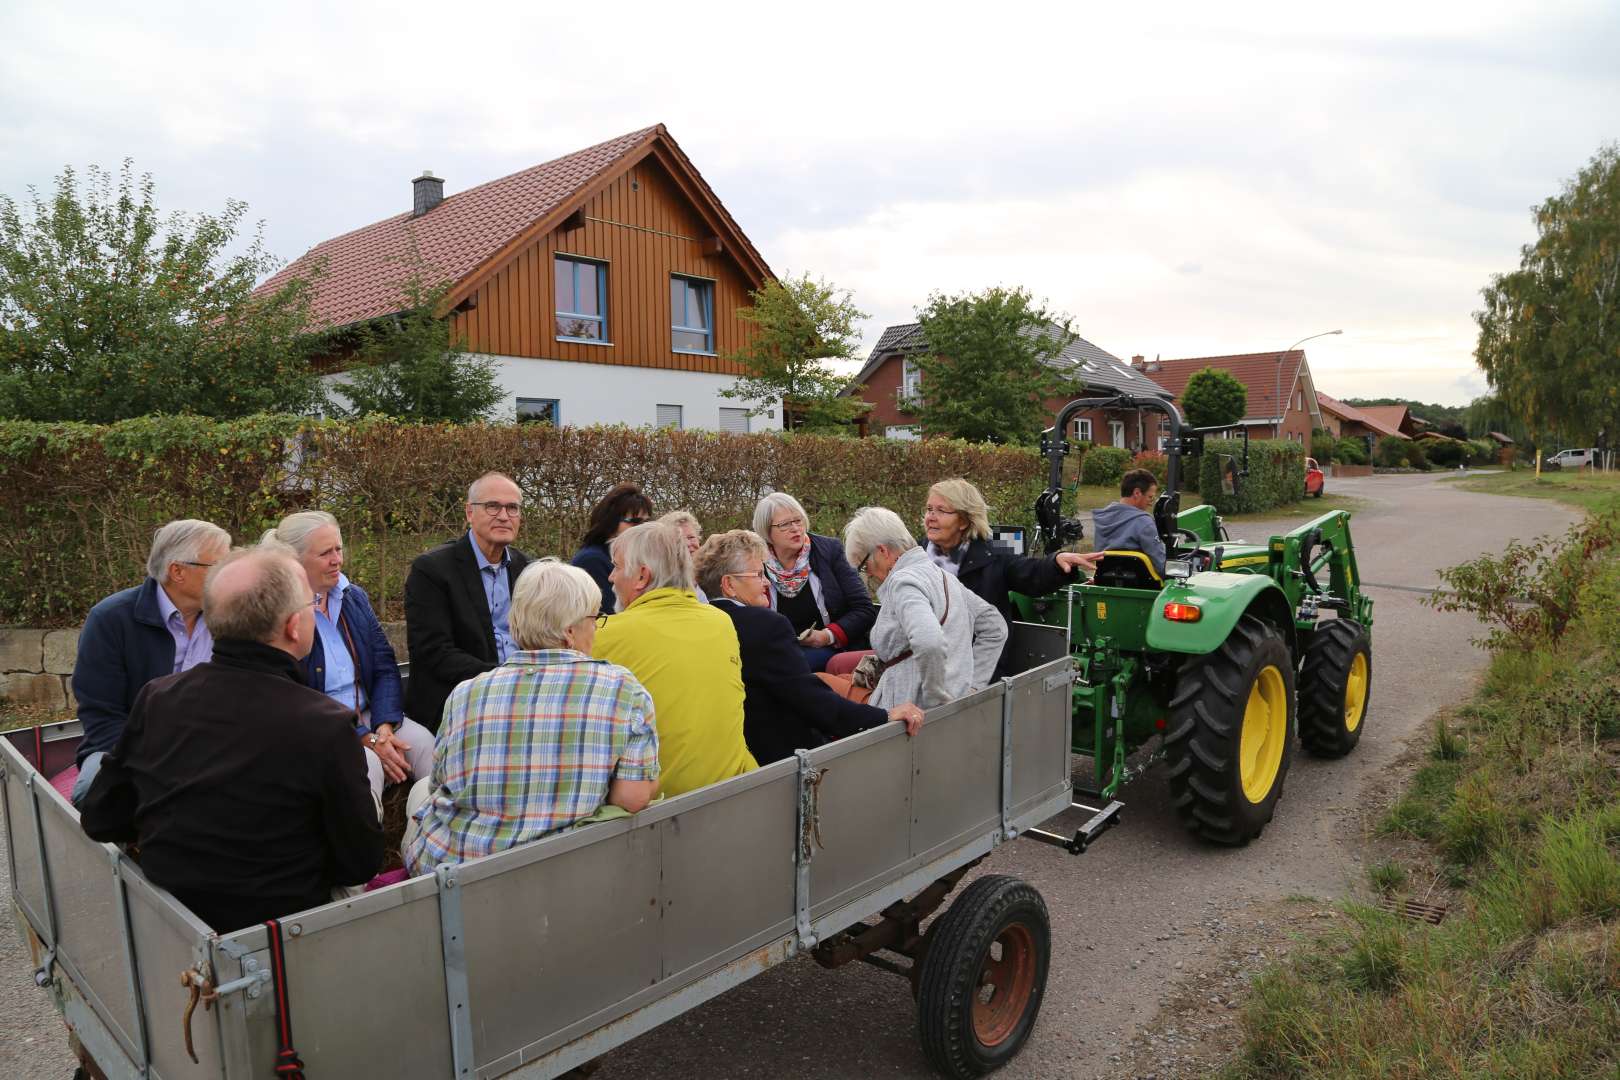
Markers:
1126,915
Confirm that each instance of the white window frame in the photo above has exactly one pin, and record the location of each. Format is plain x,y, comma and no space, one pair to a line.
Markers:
1082,429
736,414
556,410
910,381
1116,433
678,422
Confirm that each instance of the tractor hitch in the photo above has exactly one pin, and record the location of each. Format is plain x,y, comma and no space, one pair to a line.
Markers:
1101,821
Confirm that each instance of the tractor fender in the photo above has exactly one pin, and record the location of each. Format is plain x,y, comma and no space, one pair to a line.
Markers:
1222,600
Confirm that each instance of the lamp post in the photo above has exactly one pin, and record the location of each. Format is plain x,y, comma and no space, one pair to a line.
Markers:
1276,429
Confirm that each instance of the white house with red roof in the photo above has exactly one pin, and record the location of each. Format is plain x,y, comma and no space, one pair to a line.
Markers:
605,283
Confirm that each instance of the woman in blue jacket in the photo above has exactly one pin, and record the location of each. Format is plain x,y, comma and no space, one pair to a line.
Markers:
351,660
622,508
811,582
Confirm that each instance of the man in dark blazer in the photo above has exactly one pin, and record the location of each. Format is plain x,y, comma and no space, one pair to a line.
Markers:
458,598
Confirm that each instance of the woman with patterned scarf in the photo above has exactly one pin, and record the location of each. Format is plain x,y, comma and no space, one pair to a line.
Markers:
811,582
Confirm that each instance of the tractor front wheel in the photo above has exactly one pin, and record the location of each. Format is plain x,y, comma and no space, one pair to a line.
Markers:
1230,734
1335,684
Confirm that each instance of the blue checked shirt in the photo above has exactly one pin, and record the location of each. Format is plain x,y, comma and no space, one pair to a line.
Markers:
528,749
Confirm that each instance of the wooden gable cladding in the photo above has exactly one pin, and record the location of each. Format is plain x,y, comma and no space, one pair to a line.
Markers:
643,228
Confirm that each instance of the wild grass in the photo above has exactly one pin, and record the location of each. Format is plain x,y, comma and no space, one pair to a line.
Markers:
1587,490
1519,800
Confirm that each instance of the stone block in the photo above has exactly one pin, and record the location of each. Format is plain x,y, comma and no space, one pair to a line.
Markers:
21,649
61,650
26,688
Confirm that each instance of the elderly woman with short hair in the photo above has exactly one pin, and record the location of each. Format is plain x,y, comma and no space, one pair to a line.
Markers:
937,641
811,582
956,523
542,742
786,707
692,530
352,661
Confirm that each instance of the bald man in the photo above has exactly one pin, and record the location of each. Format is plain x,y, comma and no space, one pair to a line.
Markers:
245,789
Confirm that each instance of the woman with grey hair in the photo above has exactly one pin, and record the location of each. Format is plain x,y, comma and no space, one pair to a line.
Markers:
544,741
810,581
351,660
936,640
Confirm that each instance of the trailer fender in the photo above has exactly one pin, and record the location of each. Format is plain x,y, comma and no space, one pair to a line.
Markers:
1222,599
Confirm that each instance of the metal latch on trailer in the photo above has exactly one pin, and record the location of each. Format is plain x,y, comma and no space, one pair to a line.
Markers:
1101,820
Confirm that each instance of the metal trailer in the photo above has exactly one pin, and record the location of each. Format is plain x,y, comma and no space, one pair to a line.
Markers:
538,959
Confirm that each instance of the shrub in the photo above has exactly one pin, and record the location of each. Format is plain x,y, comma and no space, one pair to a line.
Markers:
79,503
1323,446
1391,452
1482,452
1351,451
1214,396
1445,452
1276,475
1104,465
1155,463
1416,457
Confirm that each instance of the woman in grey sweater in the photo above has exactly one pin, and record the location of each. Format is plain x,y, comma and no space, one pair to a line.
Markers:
939,642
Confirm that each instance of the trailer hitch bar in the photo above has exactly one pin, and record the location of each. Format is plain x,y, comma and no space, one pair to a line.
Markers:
1101,821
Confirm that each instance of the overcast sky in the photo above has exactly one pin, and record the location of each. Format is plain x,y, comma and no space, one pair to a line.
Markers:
1193,180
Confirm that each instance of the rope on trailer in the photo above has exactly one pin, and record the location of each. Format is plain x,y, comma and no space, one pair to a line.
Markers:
288,1064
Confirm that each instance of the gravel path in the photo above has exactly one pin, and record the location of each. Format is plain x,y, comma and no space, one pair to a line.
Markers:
1139,920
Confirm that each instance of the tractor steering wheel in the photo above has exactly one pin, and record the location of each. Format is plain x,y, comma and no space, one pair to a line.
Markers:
1193,539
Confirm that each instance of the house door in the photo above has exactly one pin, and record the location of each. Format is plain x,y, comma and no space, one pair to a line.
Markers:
1116,433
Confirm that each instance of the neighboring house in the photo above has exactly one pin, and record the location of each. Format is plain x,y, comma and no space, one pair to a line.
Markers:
1350,422
891,381
1394,419
1282,402
605,283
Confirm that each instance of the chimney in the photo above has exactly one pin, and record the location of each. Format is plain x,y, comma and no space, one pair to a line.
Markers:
1137,361
427,191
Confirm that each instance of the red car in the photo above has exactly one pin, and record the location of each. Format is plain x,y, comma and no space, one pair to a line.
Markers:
1314,480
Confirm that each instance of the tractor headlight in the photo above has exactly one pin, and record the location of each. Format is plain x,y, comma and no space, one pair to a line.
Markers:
1178,568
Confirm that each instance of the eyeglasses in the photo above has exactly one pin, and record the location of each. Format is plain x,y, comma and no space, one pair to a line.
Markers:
188,562
751,573
601,619
791,523
635,520
494,509
939,511
861,569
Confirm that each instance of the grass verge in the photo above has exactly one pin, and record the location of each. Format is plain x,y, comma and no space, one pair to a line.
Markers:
1596,492
1518,806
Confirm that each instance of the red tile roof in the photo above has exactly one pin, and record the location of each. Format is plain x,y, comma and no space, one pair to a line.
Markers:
364,268
1257,371
1388,418
1355,415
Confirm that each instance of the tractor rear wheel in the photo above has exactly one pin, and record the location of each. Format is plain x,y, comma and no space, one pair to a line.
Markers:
1230,734
1335,684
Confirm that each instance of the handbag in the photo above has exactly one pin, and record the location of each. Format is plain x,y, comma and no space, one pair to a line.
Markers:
871,668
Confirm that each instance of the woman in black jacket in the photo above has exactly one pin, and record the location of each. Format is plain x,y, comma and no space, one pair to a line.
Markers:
621,508
811,582
786,708
956,524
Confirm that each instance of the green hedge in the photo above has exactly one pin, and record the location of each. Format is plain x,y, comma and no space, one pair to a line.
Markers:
1104,465
79,503
1276,475
1351,452
1390,452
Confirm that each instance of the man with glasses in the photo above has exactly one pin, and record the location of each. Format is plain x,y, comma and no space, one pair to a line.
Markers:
134,636
458,599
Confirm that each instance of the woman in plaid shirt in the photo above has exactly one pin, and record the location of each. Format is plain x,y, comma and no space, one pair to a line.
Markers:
541,742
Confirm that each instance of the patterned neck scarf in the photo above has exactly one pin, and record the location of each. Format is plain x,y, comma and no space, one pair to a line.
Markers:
788,580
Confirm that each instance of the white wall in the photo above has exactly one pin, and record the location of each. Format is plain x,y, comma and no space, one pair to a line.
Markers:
614,394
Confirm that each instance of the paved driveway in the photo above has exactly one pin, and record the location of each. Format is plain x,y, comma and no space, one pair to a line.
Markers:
1121,913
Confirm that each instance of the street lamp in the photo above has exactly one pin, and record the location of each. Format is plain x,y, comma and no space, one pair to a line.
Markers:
1276,394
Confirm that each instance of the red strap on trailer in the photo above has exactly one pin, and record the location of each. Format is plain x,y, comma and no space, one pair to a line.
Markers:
288,1064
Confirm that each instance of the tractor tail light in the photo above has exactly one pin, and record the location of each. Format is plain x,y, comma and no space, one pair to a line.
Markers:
1183,612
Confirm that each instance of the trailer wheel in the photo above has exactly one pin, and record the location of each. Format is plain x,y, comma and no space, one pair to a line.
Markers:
1335,684
1231,727
983,976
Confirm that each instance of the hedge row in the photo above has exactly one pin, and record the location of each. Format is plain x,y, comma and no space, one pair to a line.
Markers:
1276,475
79,503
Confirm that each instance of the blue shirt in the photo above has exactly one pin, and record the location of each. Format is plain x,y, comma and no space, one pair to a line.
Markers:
499,594
340,676
190,649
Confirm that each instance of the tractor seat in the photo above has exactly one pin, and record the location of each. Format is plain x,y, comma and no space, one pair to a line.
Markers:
1127,570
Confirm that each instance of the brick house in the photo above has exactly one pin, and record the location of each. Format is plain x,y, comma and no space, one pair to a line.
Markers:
1282,400
604,283
892,379
1350,422
1394,420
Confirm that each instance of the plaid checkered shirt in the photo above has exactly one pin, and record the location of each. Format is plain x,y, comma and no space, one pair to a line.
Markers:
530,748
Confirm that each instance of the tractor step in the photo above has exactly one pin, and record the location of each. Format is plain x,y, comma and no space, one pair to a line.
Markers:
1101,821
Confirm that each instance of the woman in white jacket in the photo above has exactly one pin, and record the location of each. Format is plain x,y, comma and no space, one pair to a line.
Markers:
938,641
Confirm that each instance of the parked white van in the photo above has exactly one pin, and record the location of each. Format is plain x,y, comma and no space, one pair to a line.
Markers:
1572,459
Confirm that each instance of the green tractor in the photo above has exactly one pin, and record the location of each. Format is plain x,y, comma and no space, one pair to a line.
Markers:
1223,659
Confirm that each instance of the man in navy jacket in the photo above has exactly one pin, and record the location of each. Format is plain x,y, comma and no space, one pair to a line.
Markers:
132,637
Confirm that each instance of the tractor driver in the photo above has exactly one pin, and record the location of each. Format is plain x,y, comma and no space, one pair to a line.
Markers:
1127,525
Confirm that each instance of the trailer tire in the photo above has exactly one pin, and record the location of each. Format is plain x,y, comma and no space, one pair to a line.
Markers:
1232,720
1335,687
995,937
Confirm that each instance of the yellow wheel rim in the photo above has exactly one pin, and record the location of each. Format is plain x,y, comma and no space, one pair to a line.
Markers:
1265,732
1355,693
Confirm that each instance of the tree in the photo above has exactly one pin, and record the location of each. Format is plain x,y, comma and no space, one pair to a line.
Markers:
1549,335
986,372
799,325
411,368
109,310
1214,398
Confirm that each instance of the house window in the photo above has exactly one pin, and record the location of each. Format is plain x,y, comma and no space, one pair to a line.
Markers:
910,381
1116,433
669,416
581,299
532,410
734,421
691,305
1082,429
906,432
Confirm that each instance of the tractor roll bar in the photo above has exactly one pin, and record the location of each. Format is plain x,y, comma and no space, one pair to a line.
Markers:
1054,531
